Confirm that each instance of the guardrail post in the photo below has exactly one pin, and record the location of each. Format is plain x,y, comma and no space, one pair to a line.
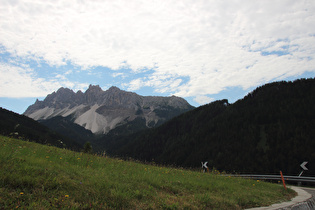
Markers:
283,180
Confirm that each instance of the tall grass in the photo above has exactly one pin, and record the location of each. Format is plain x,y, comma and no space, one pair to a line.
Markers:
41,177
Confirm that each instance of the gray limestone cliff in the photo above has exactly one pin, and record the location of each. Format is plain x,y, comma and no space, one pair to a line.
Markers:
101,111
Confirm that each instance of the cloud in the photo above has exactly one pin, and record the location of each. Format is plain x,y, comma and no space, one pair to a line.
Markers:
19,82
214,44
134,84
203,99
117,75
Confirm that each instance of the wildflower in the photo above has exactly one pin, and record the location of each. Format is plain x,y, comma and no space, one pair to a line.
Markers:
258,181
254,185
47,156
66,196
21,193
79,158
60,158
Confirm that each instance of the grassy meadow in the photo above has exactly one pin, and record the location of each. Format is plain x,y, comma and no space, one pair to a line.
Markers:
35,176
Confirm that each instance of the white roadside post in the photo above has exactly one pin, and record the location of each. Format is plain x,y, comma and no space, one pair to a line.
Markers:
304,169
204,166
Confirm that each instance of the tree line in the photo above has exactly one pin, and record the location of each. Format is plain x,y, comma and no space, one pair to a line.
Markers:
270,129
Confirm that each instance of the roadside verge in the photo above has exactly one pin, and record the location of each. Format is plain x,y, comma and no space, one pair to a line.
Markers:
301,198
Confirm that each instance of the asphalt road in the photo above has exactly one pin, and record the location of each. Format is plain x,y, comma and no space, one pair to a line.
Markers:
310,191
310,203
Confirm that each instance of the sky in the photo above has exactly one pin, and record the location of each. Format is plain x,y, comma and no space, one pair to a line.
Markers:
201,50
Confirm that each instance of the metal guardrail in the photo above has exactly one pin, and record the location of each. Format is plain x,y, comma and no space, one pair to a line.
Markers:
276,177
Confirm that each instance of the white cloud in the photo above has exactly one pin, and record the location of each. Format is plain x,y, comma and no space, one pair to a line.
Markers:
117,74
216,44
135,84
18,82
68,72
203,99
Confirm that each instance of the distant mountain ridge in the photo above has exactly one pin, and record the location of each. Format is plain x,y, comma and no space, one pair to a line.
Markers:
101,111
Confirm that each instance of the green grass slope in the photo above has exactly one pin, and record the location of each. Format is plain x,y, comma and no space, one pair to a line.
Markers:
36,176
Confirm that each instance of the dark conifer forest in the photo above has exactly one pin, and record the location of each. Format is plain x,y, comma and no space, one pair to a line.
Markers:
25,128
270,129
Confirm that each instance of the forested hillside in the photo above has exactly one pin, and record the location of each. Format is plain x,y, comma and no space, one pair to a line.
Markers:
271,129
22,127
64,126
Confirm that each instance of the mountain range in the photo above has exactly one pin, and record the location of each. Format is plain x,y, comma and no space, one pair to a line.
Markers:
97,112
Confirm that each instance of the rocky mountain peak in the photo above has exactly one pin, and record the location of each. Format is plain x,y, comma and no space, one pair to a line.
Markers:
113,89
62,98
94,88
116,92
64,91
79,92
101,111
93,94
